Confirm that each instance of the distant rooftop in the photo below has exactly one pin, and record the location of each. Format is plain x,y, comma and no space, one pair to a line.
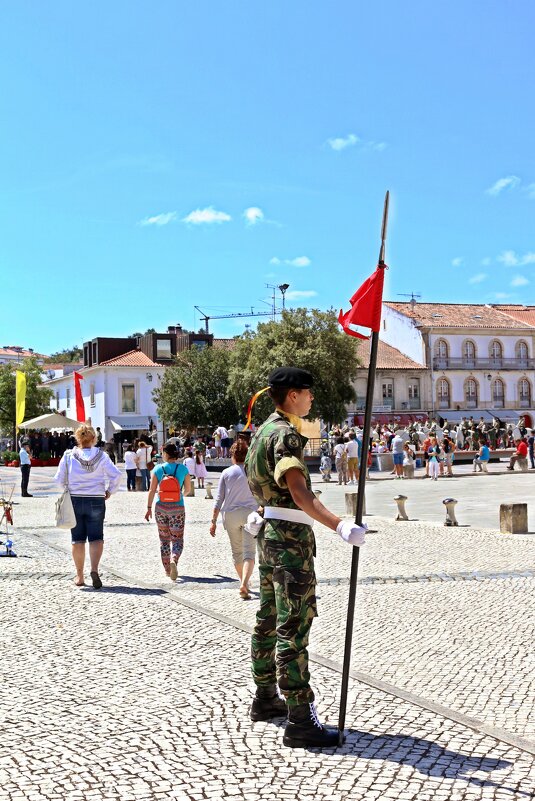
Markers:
134,358
388,358
458,315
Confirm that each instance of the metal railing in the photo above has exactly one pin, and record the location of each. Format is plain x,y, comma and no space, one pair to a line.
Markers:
490,363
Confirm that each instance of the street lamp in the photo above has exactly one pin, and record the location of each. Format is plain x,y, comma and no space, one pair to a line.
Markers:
283,288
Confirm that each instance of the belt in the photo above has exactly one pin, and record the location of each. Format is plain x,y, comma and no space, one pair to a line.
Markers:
290,515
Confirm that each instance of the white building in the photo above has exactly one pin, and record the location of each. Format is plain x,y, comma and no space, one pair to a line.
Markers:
481,358
402,391
117,395
12,354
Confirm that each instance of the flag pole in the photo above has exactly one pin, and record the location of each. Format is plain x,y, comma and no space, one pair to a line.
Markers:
360,497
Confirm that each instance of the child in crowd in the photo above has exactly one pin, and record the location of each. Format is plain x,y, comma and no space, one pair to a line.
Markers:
200,469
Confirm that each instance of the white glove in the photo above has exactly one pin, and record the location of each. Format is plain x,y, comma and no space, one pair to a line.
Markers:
254,524
351,533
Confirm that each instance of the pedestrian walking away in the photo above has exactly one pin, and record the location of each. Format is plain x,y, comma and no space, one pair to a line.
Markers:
280,482
235,502
91,478
170,481
25,467
130,464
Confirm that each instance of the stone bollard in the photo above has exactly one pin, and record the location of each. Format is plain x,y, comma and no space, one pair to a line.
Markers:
522,464
351,504
191,493
209,495
408,471
450,504
514,518
400,500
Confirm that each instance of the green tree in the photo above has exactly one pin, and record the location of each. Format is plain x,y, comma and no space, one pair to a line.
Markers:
37,397
66,356
306,338
194,392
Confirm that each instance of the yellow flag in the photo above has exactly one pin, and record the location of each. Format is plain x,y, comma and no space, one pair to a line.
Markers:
20,397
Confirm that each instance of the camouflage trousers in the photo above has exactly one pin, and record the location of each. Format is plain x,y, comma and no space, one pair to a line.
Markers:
287,609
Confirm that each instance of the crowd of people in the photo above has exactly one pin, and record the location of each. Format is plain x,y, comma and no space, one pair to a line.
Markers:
435,442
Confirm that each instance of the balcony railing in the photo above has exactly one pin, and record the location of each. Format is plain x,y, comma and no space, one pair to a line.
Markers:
445,363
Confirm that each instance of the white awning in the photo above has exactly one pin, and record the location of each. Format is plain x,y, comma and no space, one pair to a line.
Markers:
130,422
456,416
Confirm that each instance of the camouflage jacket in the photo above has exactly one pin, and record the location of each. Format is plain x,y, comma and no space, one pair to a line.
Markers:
276,448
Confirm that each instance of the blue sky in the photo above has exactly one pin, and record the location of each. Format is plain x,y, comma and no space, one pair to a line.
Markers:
136,136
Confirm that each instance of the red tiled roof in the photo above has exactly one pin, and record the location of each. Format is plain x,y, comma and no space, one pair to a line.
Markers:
134,358
456,315
524,314
388,358
224,344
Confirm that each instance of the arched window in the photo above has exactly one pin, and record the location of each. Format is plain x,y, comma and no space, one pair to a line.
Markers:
470,393
469,353
498,393
524,393
496,352
441,353
443,393
522,353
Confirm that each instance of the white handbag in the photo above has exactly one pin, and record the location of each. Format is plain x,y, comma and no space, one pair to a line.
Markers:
65,517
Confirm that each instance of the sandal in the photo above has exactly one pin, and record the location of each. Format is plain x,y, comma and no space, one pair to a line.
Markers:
244,593
78,583
95,578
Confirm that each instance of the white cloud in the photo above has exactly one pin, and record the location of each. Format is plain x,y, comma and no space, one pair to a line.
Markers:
530,191
340,143
519,280
253,215
379,146
510,258
486,262
299,261
501,295
457,261
297,294
159,219
208,215
510,182
478,278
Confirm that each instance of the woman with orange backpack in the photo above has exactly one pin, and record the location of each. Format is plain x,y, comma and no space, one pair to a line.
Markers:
171,481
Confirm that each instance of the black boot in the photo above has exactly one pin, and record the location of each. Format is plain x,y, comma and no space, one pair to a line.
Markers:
305,730
268,704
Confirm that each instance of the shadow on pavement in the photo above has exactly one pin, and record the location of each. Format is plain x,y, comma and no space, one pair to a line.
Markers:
425,756
217,579
120,590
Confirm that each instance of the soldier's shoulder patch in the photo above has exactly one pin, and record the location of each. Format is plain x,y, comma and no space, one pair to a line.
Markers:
292,441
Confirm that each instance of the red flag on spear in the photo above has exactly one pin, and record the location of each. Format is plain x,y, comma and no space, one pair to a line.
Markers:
365,305
80,406
366,311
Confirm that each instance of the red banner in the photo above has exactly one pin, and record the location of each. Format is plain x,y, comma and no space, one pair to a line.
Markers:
80,407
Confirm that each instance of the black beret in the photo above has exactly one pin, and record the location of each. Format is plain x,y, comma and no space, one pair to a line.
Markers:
292,377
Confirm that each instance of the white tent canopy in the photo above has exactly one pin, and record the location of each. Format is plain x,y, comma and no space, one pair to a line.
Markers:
49,421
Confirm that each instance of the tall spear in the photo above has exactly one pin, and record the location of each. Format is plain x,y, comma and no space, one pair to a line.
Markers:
365,310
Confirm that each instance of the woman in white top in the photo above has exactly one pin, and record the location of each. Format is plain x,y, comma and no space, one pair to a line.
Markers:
340,460
235,501
91,477
130,465
144,452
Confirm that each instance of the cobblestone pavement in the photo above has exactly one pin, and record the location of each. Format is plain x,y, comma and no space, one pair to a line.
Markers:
444,614
126,694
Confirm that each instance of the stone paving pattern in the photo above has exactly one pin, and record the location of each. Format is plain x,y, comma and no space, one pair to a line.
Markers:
429,621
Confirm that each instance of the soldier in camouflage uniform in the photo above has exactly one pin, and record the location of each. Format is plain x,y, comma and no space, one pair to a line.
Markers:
280,482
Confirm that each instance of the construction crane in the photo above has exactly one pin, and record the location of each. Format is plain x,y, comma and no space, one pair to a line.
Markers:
252,313
282,289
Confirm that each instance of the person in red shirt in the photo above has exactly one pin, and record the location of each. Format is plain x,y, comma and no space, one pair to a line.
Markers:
521,453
